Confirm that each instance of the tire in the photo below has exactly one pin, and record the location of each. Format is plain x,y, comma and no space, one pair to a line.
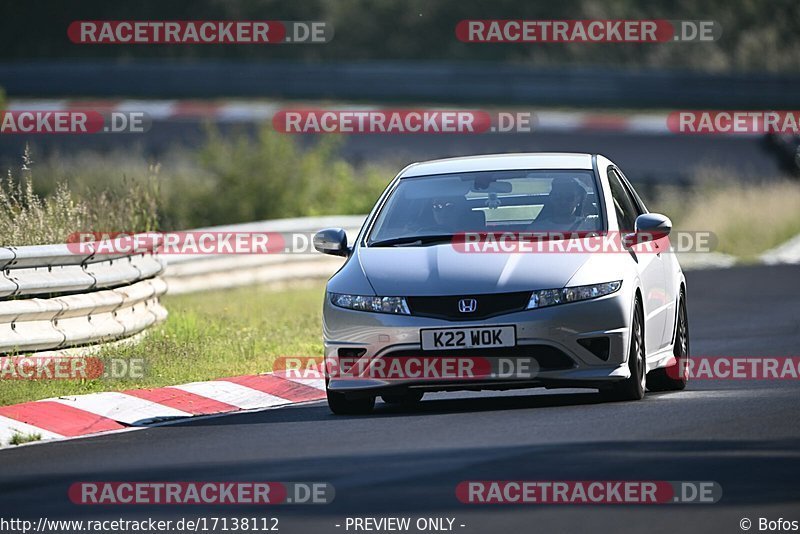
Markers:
632,388
408,398
339,404
674,377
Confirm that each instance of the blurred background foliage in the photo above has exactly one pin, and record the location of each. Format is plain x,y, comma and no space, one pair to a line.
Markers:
758,35
228,180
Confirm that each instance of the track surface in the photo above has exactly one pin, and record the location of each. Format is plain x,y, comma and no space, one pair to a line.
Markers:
744,435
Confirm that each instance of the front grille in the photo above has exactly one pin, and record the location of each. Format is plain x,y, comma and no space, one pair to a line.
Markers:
548,358
487,305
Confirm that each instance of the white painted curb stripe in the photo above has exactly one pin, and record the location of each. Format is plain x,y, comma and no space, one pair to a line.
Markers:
237,395
9,427
120,407
247,112
558,120
788,252
156,109
36,105
316,383
130,410
656,124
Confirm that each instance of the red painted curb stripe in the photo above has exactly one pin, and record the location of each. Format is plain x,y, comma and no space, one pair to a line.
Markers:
605,122
100,106
285,389
195,108
59,418
182,400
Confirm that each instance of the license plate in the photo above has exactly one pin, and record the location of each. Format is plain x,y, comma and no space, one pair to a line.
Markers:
468,338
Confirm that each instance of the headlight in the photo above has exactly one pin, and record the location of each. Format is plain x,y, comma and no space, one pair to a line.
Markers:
551,297
371,304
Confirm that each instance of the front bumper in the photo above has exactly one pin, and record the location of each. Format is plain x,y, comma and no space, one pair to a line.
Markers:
558,328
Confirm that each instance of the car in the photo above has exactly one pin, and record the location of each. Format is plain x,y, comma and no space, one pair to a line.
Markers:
608,318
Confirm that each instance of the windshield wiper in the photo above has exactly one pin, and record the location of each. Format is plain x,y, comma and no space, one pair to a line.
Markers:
413,240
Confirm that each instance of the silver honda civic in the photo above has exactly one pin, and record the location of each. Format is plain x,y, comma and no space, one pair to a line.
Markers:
501,272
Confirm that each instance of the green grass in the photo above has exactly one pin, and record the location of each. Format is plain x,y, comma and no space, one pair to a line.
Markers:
19,438
207,335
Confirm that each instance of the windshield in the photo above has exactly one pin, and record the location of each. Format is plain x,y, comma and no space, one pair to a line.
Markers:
441,206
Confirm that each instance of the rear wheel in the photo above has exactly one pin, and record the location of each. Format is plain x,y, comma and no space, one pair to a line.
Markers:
632,388
674,377
341,405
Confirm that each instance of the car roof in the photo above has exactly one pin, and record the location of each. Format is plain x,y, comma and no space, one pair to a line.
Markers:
501,162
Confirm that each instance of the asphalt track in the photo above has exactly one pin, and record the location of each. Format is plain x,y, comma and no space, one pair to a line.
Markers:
744,435
645,158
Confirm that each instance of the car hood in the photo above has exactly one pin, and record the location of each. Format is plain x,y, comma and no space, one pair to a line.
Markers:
443,270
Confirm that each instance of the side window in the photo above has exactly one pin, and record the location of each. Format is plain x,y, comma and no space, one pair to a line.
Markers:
624,204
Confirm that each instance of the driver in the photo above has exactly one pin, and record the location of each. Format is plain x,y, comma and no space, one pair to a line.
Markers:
445,213
563,209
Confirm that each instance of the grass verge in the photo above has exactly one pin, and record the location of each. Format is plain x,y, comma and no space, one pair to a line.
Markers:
19,438
748,219
207,335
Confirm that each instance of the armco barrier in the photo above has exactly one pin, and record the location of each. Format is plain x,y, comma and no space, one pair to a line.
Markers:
52,298
189,273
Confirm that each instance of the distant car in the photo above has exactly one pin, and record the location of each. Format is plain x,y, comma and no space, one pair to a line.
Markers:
612,320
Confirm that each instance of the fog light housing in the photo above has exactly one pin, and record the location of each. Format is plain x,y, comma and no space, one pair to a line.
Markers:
599,346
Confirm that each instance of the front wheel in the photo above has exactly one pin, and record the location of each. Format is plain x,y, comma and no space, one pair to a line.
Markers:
674,377
632,388
341,405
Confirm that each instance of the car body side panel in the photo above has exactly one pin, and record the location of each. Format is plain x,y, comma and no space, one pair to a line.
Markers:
656,301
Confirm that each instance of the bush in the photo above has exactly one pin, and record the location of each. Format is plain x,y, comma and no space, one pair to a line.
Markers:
228,180
245,179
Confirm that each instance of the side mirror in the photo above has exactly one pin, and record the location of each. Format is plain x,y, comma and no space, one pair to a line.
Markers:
649,227
331,241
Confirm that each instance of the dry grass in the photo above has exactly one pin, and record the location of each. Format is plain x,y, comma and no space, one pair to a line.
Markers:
748,219
27,218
